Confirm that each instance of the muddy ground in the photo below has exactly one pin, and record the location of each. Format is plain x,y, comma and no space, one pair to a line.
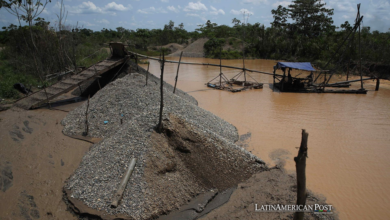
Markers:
35,160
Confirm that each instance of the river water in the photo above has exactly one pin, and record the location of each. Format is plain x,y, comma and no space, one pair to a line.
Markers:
349,135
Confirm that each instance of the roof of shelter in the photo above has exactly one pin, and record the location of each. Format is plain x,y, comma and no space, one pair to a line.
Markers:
296,65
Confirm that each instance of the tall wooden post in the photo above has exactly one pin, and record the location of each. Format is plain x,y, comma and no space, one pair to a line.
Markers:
347,70
162,95
300,165
360,51
273,87
220,68
377,84
136,61
177,73
147,74
86,119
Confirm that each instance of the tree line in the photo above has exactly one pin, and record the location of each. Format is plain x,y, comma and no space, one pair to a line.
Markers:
302,31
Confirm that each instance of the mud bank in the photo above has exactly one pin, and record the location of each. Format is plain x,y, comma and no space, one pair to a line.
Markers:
35,160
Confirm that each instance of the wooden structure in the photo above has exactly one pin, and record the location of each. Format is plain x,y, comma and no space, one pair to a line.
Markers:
282,82
44,96
287,83
234,84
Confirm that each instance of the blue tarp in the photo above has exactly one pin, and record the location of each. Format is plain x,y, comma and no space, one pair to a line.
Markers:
295,65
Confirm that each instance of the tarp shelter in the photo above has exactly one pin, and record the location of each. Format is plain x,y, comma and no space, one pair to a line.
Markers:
296,65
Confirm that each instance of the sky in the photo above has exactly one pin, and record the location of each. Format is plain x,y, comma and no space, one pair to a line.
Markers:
153,14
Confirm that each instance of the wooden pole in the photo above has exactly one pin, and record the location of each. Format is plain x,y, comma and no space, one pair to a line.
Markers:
273,87
220,69
377,84
160,126
360,51
147,73
300,165
347,70
136,61
122,186
177,73
86,119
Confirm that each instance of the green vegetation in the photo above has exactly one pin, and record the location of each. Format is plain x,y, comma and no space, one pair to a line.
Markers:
8,78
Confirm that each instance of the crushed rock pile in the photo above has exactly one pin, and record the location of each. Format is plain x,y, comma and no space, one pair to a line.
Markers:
194,154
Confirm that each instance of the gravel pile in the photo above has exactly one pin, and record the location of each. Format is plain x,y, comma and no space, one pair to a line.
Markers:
125,113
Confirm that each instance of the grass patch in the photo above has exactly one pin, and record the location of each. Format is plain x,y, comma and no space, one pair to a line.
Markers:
8,77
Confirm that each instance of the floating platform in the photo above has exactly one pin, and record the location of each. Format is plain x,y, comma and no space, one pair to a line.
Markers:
230,86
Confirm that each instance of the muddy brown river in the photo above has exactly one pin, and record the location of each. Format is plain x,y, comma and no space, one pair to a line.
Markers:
349,135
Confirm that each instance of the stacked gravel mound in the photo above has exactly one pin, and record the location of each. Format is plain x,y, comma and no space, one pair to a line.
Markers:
153,79
128,99
166,177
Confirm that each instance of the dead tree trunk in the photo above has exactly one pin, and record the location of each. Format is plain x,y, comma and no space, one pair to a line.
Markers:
177,73
300,165
160,126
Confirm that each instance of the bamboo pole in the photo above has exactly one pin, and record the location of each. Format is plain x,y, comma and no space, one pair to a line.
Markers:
300,165
177,73
160,126
122,186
